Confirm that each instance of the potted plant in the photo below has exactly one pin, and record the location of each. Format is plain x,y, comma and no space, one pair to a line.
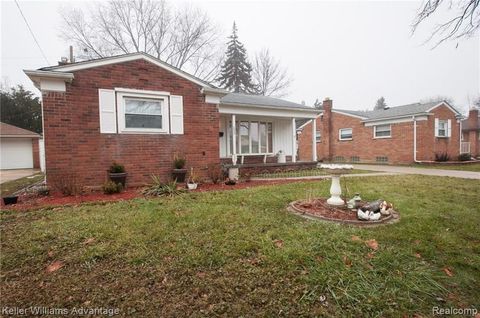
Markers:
10,199
192,182
179,172
117,173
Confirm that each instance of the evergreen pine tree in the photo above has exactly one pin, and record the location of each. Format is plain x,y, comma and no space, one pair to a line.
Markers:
235,74
380,104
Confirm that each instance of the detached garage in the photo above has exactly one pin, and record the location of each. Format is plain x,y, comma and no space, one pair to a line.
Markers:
19,148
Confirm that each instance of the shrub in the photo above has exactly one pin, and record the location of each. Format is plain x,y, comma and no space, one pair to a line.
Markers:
116,168
215,173
179,161
441,156
464,157
158,188
111,187
67,184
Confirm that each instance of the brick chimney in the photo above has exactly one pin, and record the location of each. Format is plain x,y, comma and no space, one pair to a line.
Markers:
473,117
326,153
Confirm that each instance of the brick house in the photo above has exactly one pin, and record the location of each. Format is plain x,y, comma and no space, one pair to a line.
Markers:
140,111
471,133
402,134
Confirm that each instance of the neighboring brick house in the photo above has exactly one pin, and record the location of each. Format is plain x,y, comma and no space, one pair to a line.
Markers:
140,111
402,134
471,133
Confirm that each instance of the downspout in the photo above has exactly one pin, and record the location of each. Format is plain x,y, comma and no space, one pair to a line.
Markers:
415,140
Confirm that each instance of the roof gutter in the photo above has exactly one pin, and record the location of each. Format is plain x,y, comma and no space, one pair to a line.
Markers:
49,74
306,109
393,117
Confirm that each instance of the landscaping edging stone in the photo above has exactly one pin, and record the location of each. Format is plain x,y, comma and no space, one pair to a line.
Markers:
392,218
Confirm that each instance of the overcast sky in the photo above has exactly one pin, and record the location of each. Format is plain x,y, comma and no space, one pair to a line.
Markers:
352,52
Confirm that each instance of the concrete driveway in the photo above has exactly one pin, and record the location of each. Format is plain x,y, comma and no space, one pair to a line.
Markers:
423,171
9,175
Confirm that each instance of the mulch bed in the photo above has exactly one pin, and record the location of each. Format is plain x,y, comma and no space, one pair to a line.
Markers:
57,199
320,207
321,210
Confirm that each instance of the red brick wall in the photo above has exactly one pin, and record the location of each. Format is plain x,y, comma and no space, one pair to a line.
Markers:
305,143
36,153
428,144
472,136
398,148
74,144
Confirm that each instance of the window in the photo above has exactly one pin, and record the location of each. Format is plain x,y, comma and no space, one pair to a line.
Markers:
382,131
318,136
355,159
252,137
338,159
381,159
442,128
345,134
143,113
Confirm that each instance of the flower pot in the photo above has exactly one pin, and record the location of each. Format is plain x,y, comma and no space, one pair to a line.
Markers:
10,200
120,177
192,186
179,175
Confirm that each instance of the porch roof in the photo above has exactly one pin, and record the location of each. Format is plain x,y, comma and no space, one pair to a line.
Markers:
245,104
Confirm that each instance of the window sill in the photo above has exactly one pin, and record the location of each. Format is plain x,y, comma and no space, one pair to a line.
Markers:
350,139
386,137
141,132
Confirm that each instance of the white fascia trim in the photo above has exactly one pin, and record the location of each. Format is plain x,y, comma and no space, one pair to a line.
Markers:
49,74
394,120
347,114
214,91
122,59
449,107
264,111
312,113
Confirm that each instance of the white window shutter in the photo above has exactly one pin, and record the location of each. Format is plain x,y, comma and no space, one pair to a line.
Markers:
436,127
449,128
176,114
108,116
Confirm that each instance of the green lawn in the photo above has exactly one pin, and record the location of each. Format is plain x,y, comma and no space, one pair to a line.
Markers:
10,187
465,167
239,253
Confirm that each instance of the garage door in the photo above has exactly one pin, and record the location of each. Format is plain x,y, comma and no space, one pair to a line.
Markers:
16,153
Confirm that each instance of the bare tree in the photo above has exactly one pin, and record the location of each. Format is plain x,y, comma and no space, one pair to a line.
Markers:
464,22
438,99
185,38
269,76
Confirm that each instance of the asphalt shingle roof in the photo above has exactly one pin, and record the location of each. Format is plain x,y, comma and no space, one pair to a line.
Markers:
259,100
14,131
396,111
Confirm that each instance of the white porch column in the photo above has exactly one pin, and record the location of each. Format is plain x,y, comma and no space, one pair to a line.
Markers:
294,141
234,140
314,139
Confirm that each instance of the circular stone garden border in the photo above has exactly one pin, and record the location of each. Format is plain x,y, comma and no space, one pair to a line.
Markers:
293,207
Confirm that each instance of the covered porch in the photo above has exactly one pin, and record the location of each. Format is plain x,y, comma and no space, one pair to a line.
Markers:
262,135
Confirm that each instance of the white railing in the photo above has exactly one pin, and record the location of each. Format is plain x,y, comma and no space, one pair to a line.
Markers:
465,147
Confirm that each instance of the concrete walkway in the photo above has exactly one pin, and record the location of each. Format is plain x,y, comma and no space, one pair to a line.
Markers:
9,175
423,171
327,176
